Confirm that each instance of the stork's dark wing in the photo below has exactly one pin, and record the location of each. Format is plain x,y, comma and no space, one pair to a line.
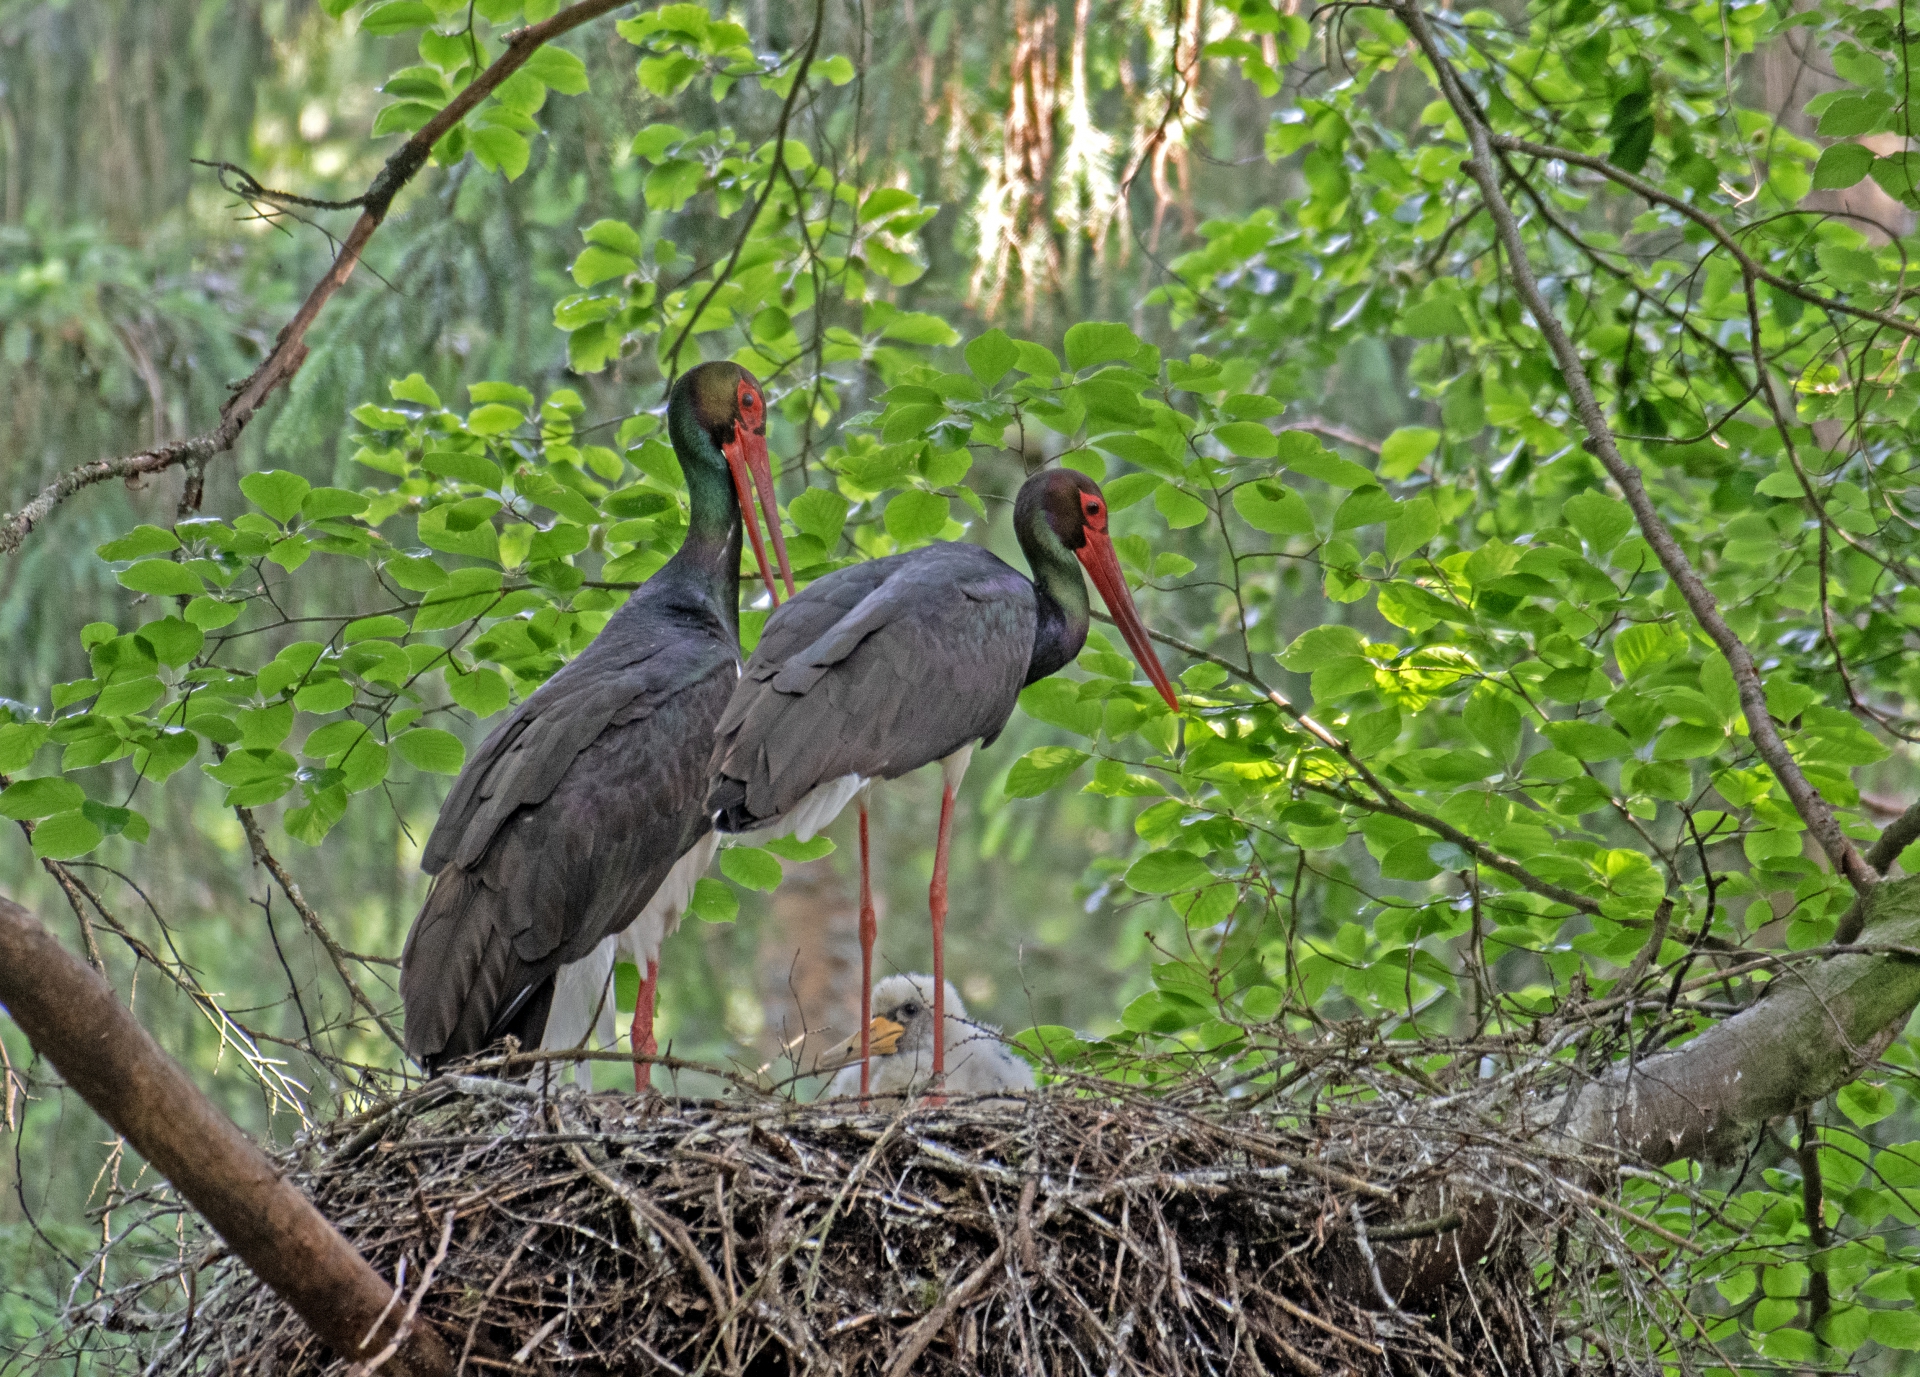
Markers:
559,830
875,670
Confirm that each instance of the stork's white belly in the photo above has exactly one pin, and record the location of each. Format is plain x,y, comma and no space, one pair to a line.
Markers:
809,817
583,1001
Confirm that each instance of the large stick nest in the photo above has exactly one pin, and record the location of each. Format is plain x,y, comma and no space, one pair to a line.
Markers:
558,1231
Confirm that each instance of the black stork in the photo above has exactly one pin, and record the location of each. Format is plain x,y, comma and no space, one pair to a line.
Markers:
883,667
582,819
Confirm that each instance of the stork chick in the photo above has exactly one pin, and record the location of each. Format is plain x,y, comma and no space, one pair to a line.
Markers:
902,1047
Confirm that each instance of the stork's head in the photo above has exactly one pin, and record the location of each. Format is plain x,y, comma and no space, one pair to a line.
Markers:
903,1015
725,403
1069,507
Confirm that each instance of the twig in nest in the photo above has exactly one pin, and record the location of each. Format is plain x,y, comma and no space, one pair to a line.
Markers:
408,1320
1366,1252
936,1319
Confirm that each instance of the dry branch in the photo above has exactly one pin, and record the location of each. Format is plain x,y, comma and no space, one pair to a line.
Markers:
290,348
72,1017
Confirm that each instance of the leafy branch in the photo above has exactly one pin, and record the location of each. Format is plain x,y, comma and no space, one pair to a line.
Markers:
1812,808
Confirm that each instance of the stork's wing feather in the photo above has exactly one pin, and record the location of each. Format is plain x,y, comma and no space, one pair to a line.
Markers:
875,670
560,829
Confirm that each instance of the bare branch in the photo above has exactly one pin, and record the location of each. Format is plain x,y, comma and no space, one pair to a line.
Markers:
290,887
290,348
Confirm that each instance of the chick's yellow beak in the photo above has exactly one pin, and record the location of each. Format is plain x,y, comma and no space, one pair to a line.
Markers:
885,1036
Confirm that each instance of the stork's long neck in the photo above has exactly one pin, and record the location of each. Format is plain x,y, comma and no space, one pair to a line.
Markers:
709,559
1061,594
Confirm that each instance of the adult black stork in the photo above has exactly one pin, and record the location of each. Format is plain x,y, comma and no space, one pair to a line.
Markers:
582,819
886,666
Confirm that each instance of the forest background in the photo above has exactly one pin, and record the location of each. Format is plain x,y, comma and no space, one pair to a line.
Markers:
959,242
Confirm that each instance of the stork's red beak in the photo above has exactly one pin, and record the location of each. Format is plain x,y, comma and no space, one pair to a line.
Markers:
752,467
1102,564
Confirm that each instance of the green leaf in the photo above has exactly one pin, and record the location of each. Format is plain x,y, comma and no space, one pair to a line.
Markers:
1587,741
1181,509
1042,769
916,515
1058,703
276,492
174,641
500,150
1895,1328
413,388
1273,507
1842,165
713,902
428,748
1303,454
1412,525
396,16
1168,872
1437,316
558,68
820,513
19,742
39,798
990,357
160,576
1322,644
1646,645
328,504
1099,341
1401,453
64,836
1156,1011
750,867
673,183
481,692
210,614
1688,741
1600,520
596,264
141,540
787,848
1866,1103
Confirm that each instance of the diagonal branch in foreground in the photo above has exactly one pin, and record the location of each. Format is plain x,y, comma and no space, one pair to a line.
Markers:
290,347
72,1017
1807,802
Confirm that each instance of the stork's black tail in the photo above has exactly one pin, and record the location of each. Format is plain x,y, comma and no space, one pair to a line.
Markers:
463,985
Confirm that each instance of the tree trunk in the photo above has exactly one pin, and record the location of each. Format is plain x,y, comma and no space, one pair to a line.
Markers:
1816,1028
73,1018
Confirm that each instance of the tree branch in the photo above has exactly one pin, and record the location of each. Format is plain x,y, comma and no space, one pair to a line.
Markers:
290,887
1721,235
290,348
1390,802
1812,808
73,1018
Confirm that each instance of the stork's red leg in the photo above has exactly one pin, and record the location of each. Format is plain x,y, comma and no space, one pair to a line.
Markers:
937,905
644,1046
869,933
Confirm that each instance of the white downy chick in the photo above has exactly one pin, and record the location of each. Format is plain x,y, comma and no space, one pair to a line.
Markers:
902,1047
